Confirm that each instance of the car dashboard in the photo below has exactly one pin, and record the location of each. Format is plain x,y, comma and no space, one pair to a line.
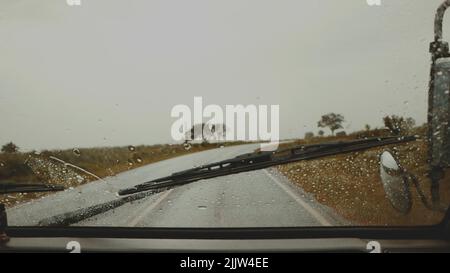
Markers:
234,240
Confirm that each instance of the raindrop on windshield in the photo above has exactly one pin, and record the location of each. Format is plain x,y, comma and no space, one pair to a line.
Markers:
131,148
202,207
187,146
80,179
76,152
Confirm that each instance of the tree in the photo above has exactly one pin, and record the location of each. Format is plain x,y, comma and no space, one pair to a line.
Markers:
10,148
332,121
321,133
367,127
207,132
309,135
197,132
410,123
397,124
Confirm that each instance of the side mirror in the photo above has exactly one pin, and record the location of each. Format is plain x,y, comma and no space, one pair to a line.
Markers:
395,183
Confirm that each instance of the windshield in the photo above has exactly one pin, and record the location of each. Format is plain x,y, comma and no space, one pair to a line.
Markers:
101,96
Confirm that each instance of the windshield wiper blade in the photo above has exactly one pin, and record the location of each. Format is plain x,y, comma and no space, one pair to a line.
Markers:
28,187
261,160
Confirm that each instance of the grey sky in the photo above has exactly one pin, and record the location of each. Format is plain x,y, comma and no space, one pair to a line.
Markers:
109,72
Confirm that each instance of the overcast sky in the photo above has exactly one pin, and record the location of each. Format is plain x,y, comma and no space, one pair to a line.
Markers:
109,71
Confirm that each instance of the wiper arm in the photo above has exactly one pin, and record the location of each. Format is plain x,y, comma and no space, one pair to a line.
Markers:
261,160
27,187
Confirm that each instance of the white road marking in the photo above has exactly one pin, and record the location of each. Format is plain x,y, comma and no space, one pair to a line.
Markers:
299,200
147,210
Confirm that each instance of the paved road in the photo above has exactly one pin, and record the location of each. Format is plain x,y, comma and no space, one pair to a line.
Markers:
261,198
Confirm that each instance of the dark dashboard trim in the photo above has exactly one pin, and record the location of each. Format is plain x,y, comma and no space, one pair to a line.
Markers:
440,231
430,232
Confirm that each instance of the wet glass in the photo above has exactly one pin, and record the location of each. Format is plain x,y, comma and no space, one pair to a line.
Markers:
88,92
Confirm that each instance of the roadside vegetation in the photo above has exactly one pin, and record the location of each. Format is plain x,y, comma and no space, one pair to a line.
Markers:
75,167
350,183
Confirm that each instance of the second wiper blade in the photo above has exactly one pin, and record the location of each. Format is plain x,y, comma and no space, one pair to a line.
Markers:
27,187
261,160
